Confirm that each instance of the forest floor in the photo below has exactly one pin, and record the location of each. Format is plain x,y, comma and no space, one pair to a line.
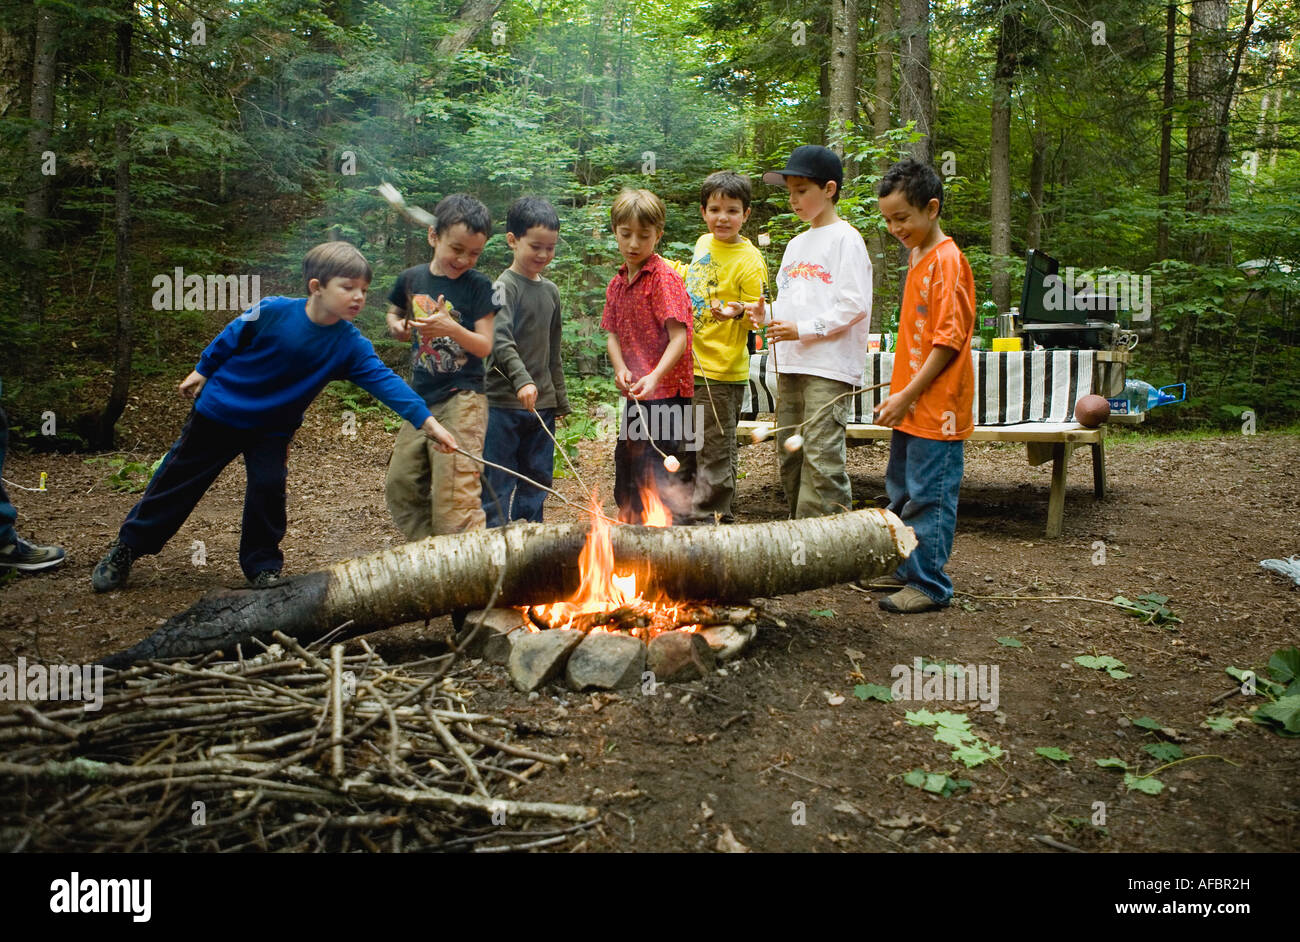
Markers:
766,751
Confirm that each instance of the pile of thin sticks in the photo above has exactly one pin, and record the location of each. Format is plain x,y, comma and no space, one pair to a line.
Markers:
285,751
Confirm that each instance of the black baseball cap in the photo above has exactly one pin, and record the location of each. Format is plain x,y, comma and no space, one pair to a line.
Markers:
812,161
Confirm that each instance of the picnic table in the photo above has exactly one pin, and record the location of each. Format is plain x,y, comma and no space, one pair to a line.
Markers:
1026,396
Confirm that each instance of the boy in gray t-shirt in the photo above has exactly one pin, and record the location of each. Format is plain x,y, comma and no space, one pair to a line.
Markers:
525,378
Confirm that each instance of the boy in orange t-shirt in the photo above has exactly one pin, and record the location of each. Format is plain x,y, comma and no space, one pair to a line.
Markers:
932,387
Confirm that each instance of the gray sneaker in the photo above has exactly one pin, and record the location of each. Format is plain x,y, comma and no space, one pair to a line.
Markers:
28,557
266,579
111,571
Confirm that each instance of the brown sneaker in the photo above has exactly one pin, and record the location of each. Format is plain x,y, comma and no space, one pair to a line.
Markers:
909,601
890,582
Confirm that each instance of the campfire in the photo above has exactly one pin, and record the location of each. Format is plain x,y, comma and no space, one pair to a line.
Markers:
610,601
612,630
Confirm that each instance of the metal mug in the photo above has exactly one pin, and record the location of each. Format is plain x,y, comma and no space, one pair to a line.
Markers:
1009,325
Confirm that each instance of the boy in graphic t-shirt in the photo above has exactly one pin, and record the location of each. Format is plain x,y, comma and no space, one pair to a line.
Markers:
427,491
822,314
932,388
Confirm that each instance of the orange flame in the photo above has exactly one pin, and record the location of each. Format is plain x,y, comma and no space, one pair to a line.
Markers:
600,589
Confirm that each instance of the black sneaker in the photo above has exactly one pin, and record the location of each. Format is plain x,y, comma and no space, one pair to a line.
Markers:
266,579
28,557
111,571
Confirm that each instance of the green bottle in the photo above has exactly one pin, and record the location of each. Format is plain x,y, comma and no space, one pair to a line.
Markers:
988,324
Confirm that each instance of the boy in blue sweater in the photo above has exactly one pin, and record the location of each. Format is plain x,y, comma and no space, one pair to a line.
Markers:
257,378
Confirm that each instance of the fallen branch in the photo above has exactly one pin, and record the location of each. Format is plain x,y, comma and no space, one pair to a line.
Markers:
534,563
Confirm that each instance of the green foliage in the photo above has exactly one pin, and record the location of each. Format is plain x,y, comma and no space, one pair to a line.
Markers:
1111,665
1163,751
129,477
349,397
272,136
1220,724
936,783
954,729
1151,608
873,692
1010,642
1282,716
1143,783
1053,753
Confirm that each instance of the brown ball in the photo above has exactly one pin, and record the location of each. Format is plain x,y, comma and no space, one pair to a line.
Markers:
1091,410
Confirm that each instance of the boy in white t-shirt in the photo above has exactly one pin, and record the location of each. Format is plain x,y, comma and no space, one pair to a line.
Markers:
821,317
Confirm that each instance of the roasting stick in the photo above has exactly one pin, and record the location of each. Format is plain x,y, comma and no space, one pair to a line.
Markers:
523,477
563,454
670,461
762,434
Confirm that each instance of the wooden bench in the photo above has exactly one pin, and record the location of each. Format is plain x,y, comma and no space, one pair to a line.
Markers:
1045,441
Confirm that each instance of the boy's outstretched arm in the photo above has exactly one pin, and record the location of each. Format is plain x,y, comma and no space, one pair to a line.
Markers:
371,373
894,409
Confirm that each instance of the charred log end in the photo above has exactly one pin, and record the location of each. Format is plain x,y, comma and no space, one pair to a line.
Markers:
227,617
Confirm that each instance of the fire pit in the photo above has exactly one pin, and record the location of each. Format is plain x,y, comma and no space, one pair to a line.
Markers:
608,635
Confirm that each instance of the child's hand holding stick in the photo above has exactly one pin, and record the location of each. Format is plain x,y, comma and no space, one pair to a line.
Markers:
442,439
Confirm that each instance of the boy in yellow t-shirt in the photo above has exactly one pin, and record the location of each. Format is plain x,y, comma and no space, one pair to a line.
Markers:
726,270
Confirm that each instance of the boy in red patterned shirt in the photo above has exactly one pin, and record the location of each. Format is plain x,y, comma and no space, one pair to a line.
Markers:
648,317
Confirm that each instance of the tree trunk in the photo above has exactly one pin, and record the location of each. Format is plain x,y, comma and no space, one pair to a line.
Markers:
1037,172
1000,158
915,99
880,124
101,432
470,20
843,73
36,208
1209,94
540,561
1166,133
884,72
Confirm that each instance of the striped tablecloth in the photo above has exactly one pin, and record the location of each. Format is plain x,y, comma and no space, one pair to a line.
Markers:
1010,388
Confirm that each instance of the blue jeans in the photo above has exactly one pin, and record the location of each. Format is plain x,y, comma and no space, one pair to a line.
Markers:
516,440
8,515
922,480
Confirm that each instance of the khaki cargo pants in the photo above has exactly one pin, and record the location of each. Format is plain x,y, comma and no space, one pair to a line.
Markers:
430,493
814,477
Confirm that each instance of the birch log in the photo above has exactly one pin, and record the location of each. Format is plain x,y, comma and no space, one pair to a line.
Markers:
442,574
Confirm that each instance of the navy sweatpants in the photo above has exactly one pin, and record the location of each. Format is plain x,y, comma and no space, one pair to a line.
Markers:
188,470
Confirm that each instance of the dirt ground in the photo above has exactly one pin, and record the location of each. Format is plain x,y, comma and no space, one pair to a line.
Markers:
761,751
